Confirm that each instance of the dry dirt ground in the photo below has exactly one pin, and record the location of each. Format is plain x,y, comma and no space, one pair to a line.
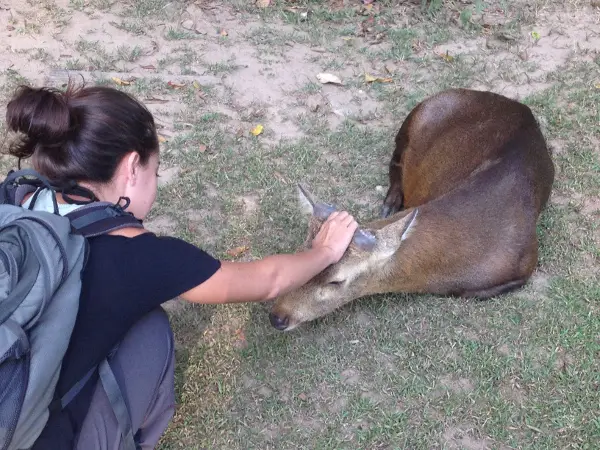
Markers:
390,371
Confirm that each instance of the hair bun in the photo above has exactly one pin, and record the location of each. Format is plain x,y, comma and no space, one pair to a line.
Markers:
41,114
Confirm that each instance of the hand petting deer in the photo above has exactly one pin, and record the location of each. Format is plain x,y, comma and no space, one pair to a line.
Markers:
469,177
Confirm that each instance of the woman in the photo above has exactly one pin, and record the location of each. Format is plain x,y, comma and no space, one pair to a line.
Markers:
106,141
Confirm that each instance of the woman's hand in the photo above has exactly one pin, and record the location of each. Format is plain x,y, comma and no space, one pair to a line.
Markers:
336,234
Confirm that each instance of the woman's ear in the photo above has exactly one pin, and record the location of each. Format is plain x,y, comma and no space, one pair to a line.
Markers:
132,167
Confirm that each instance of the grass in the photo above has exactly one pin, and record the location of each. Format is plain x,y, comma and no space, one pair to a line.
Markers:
174,34
402,371
135,27
389,371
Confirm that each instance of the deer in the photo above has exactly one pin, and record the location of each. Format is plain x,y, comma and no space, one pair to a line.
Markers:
469,177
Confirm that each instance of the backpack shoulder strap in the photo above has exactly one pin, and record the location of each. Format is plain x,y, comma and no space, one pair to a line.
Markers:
92,219
19,183
99,218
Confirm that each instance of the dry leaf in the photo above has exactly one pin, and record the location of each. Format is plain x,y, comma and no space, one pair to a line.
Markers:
523,55
199,94
176,85
302,396
202,148
235,252
258,129
161,139
325,78
597,85
263,3
121,82
187,24
370,79
224,33
149,67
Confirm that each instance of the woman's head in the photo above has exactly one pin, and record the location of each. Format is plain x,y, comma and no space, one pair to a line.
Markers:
99,137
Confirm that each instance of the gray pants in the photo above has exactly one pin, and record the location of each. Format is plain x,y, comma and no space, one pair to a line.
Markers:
144,366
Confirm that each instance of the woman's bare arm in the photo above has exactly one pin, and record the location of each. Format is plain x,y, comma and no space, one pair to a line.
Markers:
274,275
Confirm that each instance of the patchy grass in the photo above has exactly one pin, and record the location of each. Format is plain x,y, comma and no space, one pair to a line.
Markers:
174,34
390,371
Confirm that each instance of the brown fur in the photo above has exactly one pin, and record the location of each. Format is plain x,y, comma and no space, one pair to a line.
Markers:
476,166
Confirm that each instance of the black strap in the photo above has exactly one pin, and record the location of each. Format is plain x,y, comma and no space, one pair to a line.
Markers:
16,178
15,175
33,179
93,218
72,393
115,397
73,189
101,218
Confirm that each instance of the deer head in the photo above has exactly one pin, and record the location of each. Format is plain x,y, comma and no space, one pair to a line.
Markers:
363,269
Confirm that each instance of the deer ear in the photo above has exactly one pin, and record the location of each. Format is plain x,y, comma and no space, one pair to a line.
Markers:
392,235
305,201
312,207
319,212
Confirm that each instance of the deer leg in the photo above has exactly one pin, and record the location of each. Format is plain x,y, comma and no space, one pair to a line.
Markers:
484,294
526,266
394,199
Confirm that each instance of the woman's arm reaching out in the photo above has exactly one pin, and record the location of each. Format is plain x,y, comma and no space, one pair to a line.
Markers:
274,275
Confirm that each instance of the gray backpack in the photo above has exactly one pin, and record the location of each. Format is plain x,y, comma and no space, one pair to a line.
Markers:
42,256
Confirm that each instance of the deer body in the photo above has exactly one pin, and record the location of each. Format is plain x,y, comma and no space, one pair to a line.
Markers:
469,177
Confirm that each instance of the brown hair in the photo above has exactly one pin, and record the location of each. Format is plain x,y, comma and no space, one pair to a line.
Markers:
81,134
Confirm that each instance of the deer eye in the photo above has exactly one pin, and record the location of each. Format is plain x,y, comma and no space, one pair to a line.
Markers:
335,283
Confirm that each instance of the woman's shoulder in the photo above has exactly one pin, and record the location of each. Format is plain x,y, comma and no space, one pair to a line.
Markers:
164,265
146,243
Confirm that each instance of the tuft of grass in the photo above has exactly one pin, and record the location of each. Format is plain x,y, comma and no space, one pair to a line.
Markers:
137,27
129,54
222,67
174,34
151,9
101,59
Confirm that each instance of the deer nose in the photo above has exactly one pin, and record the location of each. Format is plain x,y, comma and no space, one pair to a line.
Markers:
279,322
